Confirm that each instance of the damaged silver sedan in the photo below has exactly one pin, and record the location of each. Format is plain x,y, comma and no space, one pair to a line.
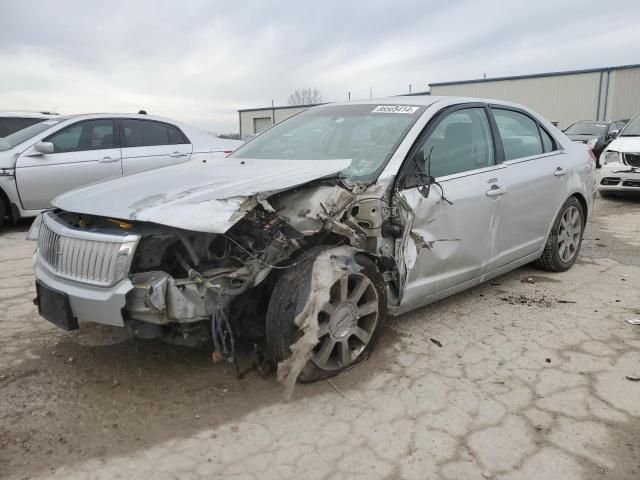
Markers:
301,242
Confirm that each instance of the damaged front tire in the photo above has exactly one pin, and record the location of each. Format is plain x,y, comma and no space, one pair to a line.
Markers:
347,309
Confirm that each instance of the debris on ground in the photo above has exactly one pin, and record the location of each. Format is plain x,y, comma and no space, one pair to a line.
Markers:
634,321
633,378
437,342
335,387
542,301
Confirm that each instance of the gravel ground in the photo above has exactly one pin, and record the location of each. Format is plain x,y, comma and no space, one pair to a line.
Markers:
531,376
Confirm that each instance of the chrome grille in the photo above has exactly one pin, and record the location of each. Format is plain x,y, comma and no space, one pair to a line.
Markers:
632,159
83,256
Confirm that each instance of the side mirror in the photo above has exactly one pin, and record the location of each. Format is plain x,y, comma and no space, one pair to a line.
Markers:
43,147
613,134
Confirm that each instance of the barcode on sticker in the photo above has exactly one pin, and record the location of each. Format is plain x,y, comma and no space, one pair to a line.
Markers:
394,109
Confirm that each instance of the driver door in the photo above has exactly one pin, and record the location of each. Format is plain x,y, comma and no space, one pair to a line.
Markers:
450,226
84,152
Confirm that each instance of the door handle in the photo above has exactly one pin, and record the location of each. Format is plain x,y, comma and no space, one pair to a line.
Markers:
109,160
496,191
177,155
559,172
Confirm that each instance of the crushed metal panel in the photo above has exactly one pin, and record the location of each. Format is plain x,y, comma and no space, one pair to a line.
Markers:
442,244
200,196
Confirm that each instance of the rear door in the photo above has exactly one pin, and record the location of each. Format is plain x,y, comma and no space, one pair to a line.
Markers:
449,230
149,144
84,152
535,179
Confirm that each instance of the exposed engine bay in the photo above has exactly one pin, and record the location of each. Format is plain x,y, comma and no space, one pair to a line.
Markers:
194,287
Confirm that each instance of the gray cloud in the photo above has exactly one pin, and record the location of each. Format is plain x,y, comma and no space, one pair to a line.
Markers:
199,61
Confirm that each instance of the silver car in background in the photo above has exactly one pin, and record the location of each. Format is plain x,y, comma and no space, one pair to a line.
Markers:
61,153
307,237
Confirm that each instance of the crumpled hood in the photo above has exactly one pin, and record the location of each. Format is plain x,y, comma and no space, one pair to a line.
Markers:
201,196
625,145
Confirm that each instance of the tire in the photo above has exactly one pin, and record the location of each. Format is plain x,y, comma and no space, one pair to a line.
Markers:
3,211
565,239
289,297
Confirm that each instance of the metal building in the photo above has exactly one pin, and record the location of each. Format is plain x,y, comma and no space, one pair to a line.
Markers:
256,120
609,93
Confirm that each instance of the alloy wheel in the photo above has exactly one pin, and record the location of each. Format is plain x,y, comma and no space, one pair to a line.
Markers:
569,233
346,322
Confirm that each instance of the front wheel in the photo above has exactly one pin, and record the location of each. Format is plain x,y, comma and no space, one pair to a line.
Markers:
349,322
565,239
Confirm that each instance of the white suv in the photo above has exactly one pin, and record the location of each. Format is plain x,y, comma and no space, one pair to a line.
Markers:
44,160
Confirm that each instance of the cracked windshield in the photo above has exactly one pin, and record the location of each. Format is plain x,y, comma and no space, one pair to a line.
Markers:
366,134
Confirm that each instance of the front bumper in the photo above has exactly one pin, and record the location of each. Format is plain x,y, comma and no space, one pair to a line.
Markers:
88,303
618,177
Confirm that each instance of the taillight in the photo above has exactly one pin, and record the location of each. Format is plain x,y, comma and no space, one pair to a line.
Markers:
593,157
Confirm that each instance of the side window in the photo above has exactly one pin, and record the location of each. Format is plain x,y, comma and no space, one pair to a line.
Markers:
461,142
519,133
547,142
147,133
87,135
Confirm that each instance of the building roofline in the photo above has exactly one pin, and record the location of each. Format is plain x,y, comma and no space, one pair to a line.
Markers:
281,107
535,75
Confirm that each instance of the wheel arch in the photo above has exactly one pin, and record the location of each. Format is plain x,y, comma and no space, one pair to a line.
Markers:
8,211
583,203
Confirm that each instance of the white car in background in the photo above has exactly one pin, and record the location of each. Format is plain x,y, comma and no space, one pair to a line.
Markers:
620,162
11,122
44,160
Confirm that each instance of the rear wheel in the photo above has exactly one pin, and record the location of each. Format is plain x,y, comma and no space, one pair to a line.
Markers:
349,323
3,211
565,239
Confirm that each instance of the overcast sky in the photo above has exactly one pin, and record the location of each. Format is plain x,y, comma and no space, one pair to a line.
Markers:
200,61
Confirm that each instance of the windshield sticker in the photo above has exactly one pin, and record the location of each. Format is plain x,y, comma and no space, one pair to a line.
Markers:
394,109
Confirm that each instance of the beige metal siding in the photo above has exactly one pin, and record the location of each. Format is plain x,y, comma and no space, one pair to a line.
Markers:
247,120
284,113
624,94
563,98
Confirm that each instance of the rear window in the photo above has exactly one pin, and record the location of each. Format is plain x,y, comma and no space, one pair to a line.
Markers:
521,135
147,133
587,128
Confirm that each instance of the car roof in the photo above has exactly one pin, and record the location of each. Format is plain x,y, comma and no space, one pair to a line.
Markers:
422,100
27,114
138,116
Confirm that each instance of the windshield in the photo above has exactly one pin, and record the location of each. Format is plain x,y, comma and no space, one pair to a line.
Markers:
368,135
10,141
632,129
587,128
